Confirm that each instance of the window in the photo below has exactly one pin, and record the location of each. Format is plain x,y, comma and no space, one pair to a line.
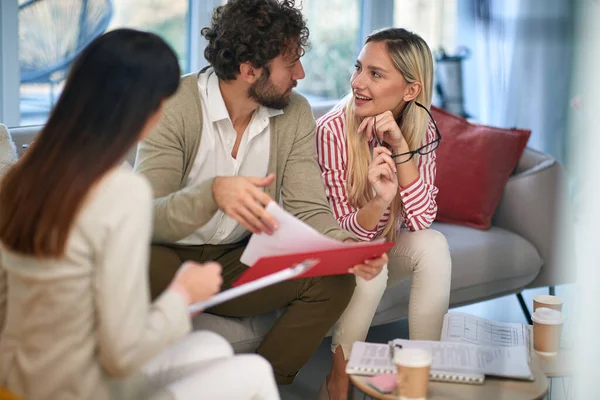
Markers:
338,27
53,32
433,20
166,18
436,22
329,62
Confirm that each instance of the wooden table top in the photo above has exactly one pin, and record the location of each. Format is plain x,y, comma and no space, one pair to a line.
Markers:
493,388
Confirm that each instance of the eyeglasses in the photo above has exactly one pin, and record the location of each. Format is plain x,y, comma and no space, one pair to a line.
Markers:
425,149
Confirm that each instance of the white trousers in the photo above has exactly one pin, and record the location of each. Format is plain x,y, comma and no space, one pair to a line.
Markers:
202,366
422,255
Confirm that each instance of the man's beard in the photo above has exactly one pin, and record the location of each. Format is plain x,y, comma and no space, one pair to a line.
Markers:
265,93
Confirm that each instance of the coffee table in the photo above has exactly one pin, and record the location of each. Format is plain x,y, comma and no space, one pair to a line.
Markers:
556,368
493,388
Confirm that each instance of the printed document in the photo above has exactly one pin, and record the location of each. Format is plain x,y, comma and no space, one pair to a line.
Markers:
467,328
509,362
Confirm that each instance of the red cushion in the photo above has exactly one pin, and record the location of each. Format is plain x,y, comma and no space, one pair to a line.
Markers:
474,163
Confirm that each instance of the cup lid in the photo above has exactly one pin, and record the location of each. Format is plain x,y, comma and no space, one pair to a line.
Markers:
412,357
548,316
548,299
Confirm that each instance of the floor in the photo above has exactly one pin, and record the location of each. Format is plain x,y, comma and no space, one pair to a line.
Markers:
504,309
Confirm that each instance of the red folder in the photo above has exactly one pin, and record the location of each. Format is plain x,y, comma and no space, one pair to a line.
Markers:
330,262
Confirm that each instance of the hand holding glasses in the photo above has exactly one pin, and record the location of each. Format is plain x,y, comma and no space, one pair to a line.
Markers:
425,149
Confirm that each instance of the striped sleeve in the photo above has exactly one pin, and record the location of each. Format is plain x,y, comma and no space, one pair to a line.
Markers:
418,199
332,158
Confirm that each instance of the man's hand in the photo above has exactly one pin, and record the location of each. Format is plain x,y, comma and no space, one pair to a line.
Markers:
241,198
369,269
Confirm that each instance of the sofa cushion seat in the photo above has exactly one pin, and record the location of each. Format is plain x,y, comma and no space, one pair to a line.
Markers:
484,264
488,258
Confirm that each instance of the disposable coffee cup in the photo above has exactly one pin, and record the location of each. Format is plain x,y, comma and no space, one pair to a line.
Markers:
547,326
544,300
413,373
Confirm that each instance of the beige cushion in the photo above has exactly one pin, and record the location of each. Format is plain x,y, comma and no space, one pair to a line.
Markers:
8,152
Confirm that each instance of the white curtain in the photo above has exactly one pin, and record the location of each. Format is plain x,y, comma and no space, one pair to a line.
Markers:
520,69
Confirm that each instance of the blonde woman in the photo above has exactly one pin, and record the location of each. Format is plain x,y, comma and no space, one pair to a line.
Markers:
376,153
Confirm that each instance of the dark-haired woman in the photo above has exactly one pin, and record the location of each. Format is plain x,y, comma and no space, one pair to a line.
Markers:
76,318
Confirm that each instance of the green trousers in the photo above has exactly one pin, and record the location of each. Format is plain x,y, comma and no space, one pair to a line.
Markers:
312,305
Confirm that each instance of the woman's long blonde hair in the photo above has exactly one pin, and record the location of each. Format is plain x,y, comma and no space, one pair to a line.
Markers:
412,57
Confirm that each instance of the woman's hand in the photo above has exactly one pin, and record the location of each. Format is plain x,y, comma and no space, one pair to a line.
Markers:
198,281
382,175
369,269
387,131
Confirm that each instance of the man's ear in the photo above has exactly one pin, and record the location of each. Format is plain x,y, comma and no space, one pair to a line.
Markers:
412,91
249,73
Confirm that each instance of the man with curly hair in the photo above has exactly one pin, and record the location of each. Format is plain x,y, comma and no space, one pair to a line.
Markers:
233,138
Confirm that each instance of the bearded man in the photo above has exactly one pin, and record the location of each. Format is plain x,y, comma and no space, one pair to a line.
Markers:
233,138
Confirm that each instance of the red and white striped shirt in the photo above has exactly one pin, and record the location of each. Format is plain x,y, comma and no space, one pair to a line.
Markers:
418,199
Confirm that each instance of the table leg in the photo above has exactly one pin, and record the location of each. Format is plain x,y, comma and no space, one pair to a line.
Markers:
567,387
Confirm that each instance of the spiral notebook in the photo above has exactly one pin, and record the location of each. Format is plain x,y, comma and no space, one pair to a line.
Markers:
376,359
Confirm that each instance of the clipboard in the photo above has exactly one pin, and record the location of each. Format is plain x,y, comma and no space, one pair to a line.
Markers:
328,262
226,295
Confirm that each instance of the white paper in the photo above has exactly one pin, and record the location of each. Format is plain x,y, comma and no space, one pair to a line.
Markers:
370,359
467,328
293,236
249,287
510,362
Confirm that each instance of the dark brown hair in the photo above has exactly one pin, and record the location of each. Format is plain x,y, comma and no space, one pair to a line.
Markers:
114,86
253,30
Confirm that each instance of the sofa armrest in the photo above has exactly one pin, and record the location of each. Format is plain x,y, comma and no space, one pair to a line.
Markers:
534,205
23,136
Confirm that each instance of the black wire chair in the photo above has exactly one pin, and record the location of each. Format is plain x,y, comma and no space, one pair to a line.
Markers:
53,32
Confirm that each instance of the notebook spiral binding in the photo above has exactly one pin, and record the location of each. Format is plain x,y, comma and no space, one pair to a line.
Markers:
473,379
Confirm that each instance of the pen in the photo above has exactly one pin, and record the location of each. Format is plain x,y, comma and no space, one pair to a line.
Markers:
393,347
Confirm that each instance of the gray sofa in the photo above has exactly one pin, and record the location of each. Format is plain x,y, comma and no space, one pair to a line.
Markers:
521,250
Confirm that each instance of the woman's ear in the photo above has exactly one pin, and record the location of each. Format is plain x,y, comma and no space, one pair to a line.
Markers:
412,91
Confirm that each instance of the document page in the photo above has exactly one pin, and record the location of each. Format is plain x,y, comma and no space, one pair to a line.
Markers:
462,327
510,362
293,236
370,359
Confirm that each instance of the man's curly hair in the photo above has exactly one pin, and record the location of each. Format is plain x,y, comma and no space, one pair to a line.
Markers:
255,31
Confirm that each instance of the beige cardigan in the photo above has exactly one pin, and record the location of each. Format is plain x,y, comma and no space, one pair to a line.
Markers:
167,155
82,326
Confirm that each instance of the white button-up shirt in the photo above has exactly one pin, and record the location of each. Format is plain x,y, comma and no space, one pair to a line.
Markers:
214,156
